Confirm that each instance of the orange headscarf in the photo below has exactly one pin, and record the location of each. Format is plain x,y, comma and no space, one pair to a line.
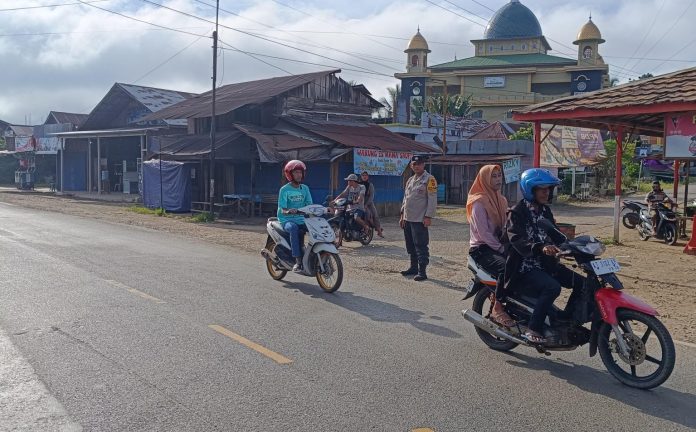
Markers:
493,201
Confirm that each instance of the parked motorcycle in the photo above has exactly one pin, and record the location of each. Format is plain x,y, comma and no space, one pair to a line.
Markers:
633,344
666,229
320,256
345,227
631,213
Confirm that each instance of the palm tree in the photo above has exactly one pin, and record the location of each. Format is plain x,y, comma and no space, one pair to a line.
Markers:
391,104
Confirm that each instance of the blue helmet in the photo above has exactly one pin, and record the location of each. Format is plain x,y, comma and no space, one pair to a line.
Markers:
536,177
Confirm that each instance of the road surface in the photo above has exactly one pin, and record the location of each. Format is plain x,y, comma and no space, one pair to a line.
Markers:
110,327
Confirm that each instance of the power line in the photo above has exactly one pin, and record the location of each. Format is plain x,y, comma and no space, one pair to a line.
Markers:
139,20
170,58
255,58
647,33
688,44
126,29
49,6
455,13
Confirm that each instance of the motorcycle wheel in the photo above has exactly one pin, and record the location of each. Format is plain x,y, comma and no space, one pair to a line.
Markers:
365,239
482,306
670,235
642,234
629,220
276,274
641,333
331,280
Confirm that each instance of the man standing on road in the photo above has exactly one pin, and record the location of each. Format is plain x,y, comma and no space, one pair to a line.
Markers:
417,210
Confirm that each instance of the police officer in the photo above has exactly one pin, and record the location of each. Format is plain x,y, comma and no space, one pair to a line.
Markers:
417,211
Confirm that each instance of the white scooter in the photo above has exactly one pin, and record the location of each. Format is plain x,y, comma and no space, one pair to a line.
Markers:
320,257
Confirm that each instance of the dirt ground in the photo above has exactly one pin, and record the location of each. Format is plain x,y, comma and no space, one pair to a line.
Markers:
661,275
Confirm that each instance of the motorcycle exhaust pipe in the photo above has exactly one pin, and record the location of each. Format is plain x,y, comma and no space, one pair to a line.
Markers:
490,327
270,256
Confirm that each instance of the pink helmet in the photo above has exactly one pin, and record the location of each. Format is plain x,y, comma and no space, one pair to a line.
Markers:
292,166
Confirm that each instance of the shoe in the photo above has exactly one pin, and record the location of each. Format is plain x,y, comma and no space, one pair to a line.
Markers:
297,268
410,272
420,277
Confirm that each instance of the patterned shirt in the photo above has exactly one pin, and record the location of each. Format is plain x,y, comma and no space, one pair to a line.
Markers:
538,235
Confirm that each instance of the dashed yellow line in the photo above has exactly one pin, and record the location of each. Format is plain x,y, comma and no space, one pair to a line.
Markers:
422,430
137,292
280,359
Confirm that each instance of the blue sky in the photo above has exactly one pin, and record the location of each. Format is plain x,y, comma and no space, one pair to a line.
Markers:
73,69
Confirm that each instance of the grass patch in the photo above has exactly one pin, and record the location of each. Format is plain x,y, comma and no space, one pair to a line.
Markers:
147,211
204,217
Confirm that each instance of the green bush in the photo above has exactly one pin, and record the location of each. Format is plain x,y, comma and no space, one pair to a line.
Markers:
204,217
147,211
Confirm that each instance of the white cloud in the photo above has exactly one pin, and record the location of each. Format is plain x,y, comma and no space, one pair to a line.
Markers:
72,71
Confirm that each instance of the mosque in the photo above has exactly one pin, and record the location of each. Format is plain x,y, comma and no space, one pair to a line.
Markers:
511,68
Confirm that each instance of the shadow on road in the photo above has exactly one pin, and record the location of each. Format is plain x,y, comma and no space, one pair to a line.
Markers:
376,310
662,402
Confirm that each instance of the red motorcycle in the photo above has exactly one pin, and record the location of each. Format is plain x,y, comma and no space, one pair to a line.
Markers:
635,347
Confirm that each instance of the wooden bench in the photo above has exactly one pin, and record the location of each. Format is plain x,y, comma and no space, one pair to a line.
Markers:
200,207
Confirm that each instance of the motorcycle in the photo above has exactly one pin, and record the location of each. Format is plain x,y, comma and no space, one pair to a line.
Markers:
320,257
346,228
631,218
666,229
622,328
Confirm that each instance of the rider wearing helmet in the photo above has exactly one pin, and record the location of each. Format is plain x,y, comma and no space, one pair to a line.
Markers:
292,196
531,263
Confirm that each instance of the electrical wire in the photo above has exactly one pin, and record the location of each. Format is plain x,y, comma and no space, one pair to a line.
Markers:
170,58
49,6
647,33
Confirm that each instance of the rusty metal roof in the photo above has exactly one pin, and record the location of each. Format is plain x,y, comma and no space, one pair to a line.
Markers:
21,130
233,96
360,135
640,104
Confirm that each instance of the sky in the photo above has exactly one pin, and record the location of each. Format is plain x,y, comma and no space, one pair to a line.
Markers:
65,58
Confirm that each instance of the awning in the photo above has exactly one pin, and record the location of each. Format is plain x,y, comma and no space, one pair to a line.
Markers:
278,146
105,133
188,147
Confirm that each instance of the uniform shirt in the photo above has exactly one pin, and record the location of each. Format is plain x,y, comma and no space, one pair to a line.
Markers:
291,197
420,198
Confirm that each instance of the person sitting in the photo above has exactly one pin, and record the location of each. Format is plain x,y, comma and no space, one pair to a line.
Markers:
355,193
653,198
531,263
292,196
486,211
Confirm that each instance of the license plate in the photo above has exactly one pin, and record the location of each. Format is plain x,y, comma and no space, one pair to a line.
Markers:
470,286
605,266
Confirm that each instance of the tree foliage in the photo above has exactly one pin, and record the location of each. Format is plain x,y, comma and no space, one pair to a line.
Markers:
526,133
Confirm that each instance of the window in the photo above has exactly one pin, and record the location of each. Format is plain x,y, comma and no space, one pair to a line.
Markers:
587,53
512,47
524,47
534,45
477,114
490,49
414,60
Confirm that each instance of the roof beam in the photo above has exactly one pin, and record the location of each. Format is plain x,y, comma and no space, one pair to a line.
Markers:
585,113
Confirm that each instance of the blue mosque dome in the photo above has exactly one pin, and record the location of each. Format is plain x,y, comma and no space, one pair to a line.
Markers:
512,21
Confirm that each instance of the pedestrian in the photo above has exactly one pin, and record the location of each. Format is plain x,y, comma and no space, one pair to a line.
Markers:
417,210
370,209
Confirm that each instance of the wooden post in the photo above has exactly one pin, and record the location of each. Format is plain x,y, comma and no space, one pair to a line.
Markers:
89,165
537,144
617,183
62,166
99,182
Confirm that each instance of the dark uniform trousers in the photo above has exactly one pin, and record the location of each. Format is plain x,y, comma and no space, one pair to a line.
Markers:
417,239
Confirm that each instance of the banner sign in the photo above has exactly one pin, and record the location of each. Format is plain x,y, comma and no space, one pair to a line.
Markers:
493,81
45,145
511,170
680,136
568,146
378,162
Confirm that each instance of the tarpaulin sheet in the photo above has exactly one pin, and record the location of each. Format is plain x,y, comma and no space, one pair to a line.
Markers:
176,186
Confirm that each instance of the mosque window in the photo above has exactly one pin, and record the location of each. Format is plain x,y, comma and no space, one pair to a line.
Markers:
524,47
534,45
587,53
512,47
414,60
490,49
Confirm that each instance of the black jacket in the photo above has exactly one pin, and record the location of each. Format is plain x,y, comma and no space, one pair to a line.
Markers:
520,245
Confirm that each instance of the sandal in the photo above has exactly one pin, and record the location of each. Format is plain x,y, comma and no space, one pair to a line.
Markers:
534,337
503,319
380,233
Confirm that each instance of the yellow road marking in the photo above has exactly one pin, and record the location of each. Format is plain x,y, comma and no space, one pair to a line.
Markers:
253,345
137,292
423,430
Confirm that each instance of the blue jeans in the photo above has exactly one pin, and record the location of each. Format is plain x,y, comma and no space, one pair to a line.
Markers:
296,236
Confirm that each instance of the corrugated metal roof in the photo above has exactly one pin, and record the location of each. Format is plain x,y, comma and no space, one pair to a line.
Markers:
156,99
506,61
673,88
72,118
361,135
233,96
22,130
496,130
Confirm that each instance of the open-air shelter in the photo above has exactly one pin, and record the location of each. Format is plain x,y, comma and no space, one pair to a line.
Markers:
641,107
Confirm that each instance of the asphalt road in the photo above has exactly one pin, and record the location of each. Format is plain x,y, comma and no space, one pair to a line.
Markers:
114,328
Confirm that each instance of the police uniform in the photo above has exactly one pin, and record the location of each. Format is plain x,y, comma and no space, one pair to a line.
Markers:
420,201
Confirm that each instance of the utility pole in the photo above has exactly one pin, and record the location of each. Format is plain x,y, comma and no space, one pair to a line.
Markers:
445,102
213,125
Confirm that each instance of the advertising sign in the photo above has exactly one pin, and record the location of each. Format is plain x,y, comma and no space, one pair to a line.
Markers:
680,136
378,162
511,170
494,81
568,146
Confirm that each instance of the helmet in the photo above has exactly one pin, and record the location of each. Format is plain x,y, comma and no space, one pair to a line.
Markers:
536,177
292,166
